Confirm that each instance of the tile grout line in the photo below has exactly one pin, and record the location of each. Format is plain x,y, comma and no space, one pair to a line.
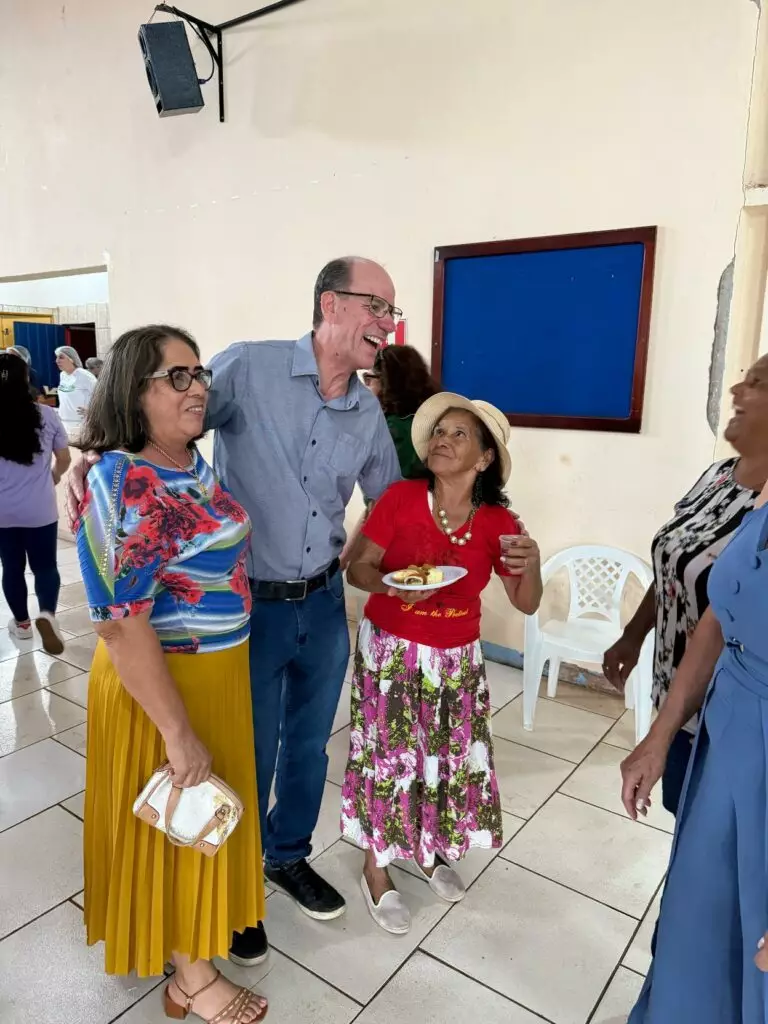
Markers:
631,970
488,988
55,740
593,899
656,892
574,769
538,811
616,746
33,743
71,664
589,711
37,689
541,808
601,997
137,1002
617,814
303,967
31,817
536,750
76,816
37,917
574,707
27,746
61,696
620,964
381,988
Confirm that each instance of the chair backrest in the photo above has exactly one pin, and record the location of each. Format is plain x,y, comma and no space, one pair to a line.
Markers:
597,575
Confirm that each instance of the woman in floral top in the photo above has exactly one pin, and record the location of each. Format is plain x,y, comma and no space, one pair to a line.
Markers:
420,782
683,553
162,547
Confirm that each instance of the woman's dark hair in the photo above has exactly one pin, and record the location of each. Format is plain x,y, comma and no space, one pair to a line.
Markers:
489,487
115,418
405,380
20,416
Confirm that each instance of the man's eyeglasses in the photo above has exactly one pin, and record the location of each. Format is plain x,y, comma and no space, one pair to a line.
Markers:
378,306
181,378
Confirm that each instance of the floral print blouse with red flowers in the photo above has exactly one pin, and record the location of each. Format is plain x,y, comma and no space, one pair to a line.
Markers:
148,538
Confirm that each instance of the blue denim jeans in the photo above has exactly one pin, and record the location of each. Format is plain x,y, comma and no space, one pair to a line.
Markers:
36,546
299,656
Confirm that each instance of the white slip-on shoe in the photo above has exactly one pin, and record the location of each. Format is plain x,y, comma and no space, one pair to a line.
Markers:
390,913
445,882
48,628
20,632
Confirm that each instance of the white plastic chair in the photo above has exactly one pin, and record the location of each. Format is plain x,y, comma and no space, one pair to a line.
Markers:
597,577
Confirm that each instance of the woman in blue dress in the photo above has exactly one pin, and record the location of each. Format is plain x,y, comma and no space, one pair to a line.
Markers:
714,912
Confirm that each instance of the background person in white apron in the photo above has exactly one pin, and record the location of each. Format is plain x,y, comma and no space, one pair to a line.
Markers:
75,389
76,386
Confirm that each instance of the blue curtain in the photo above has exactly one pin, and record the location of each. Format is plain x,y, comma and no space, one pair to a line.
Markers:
41,340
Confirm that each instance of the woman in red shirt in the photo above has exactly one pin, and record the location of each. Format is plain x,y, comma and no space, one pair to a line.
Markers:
420,782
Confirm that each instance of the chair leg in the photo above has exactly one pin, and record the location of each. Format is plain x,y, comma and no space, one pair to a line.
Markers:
643,690
554,677
629,692
643,706
533,666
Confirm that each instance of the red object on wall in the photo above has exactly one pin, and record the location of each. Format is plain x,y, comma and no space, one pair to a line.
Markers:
400,333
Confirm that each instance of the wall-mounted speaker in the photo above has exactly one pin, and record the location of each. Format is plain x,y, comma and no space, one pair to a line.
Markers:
170,68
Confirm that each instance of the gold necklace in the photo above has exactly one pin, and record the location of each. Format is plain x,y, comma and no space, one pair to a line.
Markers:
184,469
450,533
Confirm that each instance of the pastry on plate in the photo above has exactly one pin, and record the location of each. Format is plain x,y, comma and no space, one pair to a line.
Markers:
418,575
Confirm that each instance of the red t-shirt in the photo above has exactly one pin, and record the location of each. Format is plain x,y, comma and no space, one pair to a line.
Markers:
401,522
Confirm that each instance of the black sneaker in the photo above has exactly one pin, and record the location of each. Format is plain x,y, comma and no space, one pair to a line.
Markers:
307,889
250,947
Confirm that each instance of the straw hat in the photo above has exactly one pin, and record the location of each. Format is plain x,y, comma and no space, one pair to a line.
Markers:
433,410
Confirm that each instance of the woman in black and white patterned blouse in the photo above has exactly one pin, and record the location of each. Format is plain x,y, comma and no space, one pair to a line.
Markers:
683,552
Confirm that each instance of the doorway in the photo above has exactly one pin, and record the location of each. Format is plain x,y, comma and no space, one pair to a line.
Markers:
45,311
9,320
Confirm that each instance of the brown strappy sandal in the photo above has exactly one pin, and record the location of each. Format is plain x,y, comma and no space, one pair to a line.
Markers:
233,1013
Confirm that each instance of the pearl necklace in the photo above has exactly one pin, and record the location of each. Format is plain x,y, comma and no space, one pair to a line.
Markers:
450,533
184,469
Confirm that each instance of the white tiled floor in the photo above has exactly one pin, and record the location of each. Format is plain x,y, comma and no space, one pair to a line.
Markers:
555,927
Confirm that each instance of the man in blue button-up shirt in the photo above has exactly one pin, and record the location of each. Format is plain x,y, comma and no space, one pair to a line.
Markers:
295,430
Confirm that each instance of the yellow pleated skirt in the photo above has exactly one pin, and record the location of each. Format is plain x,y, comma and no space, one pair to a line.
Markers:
145,898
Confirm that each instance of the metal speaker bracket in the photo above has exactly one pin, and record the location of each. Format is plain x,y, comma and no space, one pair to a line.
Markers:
211,34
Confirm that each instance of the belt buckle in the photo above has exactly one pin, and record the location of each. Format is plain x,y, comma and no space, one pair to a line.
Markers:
292,583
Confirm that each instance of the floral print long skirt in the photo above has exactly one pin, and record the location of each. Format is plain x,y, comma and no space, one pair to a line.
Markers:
420,779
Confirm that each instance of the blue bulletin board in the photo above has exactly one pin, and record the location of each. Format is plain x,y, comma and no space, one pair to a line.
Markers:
553,331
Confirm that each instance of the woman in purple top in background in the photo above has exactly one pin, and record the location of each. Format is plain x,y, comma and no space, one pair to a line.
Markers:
34,453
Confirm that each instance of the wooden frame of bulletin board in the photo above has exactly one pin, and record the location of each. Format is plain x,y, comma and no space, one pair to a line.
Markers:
553,330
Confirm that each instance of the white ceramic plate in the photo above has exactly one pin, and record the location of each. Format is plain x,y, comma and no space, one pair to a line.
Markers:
451,573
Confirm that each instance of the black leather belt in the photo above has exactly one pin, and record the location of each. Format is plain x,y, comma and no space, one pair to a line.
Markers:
293,590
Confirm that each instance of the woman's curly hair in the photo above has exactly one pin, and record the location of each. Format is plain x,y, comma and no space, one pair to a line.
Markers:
405,380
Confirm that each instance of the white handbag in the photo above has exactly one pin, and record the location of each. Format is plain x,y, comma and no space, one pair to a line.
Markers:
202,817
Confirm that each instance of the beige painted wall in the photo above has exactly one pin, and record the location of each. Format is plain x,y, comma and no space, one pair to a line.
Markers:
385,129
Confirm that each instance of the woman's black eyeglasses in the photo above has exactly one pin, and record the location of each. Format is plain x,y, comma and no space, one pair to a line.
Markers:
181,378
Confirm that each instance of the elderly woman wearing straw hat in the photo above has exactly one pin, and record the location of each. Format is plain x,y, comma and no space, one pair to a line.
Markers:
420,782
